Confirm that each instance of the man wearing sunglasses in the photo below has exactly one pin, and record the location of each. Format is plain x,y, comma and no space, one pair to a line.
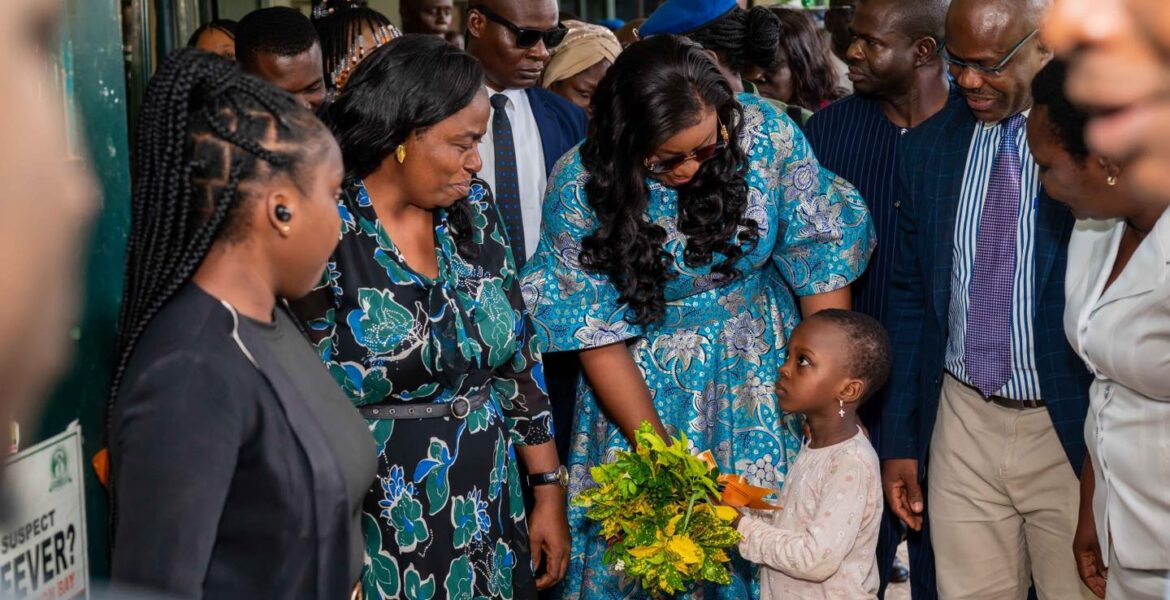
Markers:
529,129
983,431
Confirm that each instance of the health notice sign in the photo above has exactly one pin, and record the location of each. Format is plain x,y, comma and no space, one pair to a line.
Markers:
42,544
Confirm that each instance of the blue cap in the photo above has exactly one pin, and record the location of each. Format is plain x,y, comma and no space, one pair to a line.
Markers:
612,24
681,17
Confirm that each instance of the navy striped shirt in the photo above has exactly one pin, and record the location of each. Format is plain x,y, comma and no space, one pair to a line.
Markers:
854,139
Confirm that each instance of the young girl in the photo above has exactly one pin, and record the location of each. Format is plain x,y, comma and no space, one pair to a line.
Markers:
822,543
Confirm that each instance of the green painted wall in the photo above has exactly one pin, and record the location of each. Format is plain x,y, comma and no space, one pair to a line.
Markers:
92,62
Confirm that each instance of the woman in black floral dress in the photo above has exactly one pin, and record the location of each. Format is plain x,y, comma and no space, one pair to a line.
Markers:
421,315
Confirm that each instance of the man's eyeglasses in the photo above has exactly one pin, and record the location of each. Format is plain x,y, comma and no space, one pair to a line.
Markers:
525,36
994,70
701,155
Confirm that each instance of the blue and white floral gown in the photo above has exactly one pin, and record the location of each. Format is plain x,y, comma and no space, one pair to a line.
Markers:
711,363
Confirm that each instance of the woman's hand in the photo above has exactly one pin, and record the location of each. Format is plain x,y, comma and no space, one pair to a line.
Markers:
548,534
1087,549
621,389
1086,546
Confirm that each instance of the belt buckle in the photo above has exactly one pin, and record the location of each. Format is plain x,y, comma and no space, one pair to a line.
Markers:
466,407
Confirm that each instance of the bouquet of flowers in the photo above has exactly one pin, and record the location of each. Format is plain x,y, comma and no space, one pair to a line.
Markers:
656,510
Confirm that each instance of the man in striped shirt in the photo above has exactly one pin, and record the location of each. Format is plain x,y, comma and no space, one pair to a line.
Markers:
899,81
988,401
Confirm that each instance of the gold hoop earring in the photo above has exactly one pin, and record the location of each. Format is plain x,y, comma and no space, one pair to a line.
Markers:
400,153
1111,180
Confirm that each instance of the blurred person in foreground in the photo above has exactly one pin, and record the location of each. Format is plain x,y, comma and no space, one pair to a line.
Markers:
39,178
1119,52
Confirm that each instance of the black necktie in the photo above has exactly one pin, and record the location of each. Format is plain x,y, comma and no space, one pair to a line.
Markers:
507,179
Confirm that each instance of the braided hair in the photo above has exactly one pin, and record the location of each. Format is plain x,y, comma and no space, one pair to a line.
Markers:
205,130
341,25
742,38
655,89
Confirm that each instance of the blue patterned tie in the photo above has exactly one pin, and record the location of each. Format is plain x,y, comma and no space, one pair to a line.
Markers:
507,180
987,347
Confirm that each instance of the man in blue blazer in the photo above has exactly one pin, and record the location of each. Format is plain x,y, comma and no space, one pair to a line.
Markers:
988,401
529,130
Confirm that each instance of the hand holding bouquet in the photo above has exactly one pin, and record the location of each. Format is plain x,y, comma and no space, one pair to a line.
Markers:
658,509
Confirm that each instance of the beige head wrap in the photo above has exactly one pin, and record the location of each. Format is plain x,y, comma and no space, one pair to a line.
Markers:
584,46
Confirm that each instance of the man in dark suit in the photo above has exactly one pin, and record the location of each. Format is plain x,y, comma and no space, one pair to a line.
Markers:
987,401
900,81
530,129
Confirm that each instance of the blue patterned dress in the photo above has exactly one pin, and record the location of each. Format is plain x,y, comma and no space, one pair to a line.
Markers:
711,363
445,516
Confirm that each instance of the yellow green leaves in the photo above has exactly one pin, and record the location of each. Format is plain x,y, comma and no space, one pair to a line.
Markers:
654,507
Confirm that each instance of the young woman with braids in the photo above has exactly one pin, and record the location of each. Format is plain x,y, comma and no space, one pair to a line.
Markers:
420,319
349,32
238,466
676,243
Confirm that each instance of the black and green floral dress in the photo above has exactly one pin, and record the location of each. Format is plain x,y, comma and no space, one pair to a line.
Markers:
445,516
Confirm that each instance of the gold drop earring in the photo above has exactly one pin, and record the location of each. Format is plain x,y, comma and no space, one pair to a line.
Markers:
400,153
841,403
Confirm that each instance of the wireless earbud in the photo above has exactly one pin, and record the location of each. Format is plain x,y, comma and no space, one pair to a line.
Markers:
283,214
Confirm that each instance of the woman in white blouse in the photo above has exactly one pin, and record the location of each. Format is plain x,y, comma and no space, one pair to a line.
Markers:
1117,317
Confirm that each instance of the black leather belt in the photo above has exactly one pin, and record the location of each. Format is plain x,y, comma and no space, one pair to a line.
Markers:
1016,404
459,407
1000,400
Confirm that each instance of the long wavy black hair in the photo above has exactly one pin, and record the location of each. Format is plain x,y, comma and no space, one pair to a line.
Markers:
656,89
205,130
399,90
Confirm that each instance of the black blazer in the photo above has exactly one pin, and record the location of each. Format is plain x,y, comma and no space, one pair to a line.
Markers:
224,483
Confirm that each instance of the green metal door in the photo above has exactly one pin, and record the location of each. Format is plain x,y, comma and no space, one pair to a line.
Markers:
90,65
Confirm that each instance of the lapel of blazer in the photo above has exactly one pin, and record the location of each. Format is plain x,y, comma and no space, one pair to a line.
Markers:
1053,223
954,143
330,506
546,124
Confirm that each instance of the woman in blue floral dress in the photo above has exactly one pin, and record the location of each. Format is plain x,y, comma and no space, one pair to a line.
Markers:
421,315
673,242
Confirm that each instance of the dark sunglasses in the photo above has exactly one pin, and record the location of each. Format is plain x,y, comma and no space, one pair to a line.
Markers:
526,37
701,155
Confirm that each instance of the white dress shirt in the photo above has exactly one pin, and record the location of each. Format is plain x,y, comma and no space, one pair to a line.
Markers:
529,162
1123,335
